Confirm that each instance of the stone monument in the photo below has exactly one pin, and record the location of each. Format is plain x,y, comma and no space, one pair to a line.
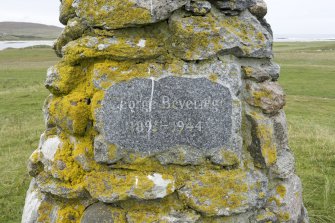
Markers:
164,111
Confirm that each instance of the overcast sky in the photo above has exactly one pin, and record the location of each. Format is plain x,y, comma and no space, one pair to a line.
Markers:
285,16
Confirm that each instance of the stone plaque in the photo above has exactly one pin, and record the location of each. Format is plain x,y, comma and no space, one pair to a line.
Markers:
151,116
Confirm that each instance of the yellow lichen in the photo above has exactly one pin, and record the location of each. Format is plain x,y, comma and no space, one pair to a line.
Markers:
213,77
70,172
260,95
281,190
71,112
70,213
121,185
229,185
229,157
67,79
114,14
44,212
248,71
268,147
283,216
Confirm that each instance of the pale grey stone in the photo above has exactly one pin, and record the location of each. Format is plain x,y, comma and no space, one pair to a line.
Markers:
181,217
303,216
264,69
284,166
288,202
48,184
272,69
198,7
49,123
184,216
260,9
280,129
102,213
102,151
181,155
255,73
240,218
32,203
52,77
251,199
263,216
234,5
206,37
140,186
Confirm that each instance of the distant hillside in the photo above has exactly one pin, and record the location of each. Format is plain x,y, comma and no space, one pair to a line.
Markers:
28,31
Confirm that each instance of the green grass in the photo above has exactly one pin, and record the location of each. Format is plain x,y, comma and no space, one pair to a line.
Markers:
308,76
21,97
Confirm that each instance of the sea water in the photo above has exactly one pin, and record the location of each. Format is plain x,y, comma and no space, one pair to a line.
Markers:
24,44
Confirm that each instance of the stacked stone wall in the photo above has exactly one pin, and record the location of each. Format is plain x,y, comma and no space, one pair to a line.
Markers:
164,111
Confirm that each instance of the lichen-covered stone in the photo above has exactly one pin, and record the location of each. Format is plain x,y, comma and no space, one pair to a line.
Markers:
286,200
256,73
223,193
200,37
75,29
164,111
181,155
260,9
284,166
199,8
231,6
71,113
263,147
264,216
172,217
268,96
48,184
62,78
32,203
125,13
115,186
124,44
281,131
240,218
100,212
66,11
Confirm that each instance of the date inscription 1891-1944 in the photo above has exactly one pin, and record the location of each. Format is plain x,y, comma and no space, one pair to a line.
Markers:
151,116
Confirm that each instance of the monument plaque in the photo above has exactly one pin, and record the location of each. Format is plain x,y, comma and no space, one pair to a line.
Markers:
149,115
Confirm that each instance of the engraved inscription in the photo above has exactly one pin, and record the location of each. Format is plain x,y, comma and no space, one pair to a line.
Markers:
151,116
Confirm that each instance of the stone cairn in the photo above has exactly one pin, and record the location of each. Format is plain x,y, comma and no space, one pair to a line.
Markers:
164,111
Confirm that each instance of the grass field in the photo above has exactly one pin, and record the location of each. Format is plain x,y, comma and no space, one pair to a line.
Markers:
308,76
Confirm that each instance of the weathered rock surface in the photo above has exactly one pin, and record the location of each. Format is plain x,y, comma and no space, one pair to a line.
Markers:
100,212
268,96
125,13
224,193
286,200
200,37
260,9
115,186
198,7
234,5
